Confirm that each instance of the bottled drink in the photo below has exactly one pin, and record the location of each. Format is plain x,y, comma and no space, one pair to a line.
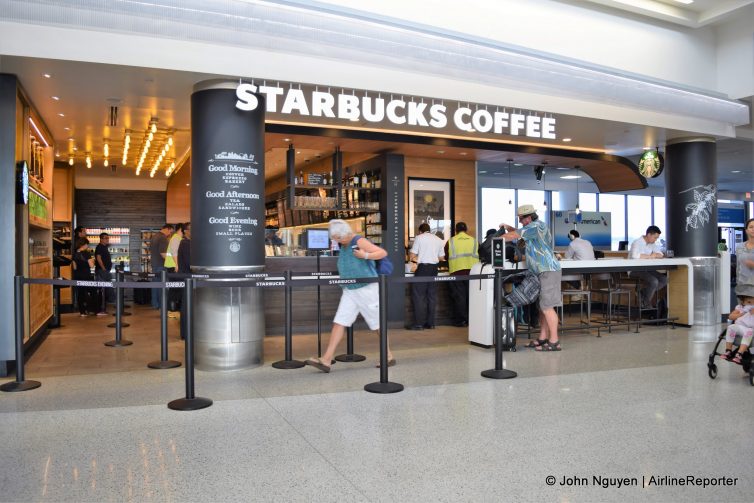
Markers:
301,180
364,182
355,180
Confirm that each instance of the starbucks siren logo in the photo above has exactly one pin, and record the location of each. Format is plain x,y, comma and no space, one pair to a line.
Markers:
234,247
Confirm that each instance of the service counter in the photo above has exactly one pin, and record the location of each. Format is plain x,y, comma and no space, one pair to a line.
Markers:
304,298
680,290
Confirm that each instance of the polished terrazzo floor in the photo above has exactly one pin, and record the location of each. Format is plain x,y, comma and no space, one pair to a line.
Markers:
622,406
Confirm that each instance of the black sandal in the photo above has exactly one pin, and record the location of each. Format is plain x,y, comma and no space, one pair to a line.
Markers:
536,344
550,346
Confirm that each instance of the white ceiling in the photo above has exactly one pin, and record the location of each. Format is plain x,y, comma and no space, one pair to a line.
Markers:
696,14
87,90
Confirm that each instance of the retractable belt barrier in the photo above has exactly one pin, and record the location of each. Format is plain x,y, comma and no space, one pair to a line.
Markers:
189,282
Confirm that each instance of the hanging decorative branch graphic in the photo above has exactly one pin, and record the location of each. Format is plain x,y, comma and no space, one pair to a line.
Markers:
699,211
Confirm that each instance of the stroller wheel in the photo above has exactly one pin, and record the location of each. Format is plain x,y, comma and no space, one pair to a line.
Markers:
712,371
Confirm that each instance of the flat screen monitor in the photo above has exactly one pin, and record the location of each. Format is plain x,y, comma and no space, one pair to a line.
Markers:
622,245
317,239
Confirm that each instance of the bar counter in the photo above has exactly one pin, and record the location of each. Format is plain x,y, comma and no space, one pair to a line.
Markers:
680,291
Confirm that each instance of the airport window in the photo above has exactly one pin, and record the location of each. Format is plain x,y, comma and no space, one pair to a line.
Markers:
496,208
587,201
616,206
659,214
639,215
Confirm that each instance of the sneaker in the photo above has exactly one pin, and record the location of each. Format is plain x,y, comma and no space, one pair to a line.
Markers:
83,315
737,359
726,355
102,313
576,298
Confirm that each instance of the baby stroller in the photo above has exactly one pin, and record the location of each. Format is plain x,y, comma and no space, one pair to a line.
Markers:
746,360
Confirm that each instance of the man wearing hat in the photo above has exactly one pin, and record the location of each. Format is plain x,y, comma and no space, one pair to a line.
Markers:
540,259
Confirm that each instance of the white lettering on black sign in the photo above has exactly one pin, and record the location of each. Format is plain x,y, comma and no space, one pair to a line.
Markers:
228,205
341,282
96,284
174,284
270,283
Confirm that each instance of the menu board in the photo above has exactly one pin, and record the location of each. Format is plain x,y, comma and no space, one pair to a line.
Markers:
227,181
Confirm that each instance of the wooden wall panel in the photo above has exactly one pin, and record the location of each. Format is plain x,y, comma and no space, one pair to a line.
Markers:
40,296
464,175
179,196
135,209
62,193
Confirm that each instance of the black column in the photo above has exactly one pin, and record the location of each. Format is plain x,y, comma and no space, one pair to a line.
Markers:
691,197
227,219
8,84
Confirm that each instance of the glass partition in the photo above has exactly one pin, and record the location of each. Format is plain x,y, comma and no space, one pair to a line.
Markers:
291,241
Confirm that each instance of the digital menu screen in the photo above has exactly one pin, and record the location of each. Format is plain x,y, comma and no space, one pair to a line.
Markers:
317,239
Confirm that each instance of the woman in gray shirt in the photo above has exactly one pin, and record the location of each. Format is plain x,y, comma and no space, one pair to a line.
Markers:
745,262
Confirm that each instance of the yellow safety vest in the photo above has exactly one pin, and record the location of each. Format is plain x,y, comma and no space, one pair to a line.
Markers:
171,260
462,252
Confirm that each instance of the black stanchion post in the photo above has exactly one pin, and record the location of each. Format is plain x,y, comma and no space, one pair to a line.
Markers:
191,402
164,362
498,372
20,384
119,276
384,386
122,303
319,315
288,362
118,341
350,356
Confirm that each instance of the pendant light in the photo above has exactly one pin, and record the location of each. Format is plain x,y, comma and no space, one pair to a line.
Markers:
510,184
544,183
544,188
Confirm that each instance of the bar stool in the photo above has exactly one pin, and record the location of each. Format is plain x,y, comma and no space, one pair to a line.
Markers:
614,289
636,285
584,292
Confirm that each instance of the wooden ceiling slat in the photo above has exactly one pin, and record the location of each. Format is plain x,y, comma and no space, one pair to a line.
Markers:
610,173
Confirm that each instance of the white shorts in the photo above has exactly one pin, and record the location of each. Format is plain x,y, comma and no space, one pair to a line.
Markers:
364,300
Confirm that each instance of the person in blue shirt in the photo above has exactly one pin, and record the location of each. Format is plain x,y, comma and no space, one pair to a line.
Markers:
355,260
541,260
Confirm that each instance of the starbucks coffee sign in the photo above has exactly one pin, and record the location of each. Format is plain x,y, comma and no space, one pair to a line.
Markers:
385,109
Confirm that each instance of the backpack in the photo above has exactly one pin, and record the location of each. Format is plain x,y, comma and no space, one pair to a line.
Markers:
525,292
485,251
383,266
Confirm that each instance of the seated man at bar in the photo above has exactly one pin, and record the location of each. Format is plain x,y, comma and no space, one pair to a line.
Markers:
540,259
579,248
356,260
646,247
